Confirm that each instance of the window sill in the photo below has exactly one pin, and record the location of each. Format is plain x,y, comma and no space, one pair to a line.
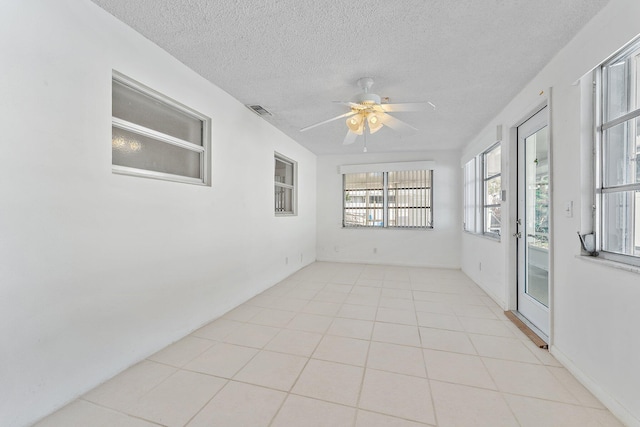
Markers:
483,236
608,263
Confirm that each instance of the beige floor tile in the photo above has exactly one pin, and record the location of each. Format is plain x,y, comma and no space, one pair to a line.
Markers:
312,285
222,360
397,284
182,352
604,417
343,350
458,368
329,381
494,327
541,354
271,317
527,380
462,406
240,405
351,328
273,370
502,348
396,358
371,419
306,412
404,294
249,335
321,307
398,395
533,412
336,287
288,304
433,307
331,297
177,399
130,385
476,311
391,315
439,321
301,293
360,312
310,322
583,395
396,334
397,303
366,290
369,282
242,313
82,413
299,343
370,300
217,330
440,339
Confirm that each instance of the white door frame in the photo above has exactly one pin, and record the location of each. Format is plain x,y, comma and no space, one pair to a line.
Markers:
510,227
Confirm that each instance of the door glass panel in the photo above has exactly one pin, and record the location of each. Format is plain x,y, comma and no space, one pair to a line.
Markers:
537,216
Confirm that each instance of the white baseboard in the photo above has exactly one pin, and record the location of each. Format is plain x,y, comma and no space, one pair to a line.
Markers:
607,400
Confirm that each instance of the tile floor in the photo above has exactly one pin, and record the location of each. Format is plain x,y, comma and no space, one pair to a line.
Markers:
348,345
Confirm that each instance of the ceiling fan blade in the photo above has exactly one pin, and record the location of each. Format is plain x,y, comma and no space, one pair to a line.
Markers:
350,104
350,113
350,138
408,106
395,124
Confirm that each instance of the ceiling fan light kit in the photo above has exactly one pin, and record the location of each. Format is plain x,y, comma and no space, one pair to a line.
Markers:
368,111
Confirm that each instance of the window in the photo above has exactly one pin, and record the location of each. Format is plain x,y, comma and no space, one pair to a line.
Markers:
618,180
470,187
491,165
156,137
399,199
285,181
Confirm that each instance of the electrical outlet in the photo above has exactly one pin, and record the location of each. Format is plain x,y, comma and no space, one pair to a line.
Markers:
375,250
480,266
286,260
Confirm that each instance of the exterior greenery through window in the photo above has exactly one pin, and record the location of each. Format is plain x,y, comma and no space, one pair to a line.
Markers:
400,199
156,137
285,181
618,180
491,161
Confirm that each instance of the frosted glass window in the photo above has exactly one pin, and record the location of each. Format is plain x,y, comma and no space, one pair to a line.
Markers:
140,152
285,182
156,137
618,192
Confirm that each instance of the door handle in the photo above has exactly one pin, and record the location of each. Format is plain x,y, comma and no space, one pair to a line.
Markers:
517,235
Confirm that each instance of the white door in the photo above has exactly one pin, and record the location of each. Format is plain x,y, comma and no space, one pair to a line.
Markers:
533,220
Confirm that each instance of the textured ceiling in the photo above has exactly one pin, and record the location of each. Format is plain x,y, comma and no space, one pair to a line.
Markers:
294,57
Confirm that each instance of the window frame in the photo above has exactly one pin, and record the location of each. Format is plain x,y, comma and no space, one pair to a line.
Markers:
601,189
485,180
202,150
283,186
470,196
386,202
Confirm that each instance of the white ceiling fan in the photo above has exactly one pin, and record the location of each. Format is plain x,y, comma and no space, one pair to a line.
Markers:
368,111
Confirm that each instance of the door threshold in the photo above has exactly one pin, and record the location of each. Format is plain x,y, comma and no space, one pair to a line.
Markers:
536,335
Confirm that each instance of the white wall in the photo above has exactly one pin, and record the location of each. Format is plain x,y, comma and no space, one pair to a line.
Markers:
439,247
100,270
594,315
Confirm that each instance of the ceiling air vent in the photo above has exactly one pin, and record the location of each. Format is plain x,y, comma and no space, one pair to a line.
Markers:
259,110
